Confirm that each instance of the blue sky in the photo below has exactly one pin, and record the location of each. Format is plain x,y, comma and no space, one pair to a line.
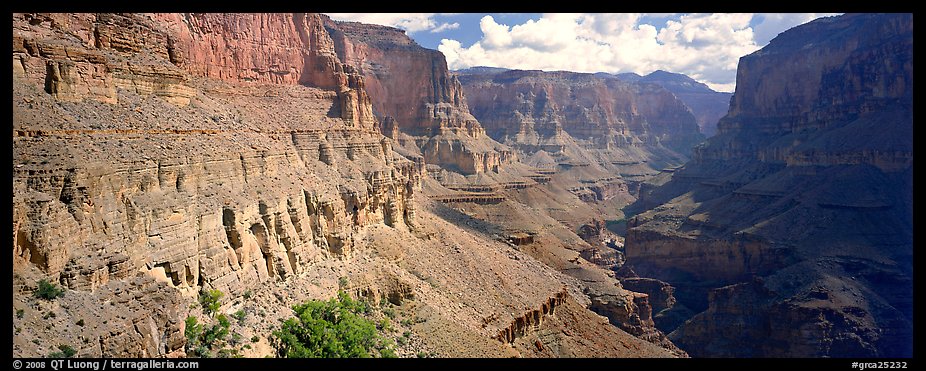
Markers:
705,46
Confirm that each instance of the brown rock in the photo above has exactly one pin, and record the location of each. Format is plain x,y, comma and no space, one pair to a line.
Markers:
807,184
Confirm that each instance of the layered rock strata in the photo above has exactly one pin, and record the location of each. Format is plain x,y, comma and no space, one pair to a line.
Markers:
158,155
707,105
413,87
791,228
535,109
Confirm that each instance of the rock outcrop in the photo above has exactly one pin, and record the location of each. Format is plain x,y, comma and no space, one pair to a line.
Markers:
413,87
535,108
707,105
110,184
779,225
157,155
95,56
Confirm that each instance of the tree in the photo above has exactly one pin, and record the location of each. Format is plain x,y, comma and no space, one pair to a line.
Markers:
330,329
48,290
209,299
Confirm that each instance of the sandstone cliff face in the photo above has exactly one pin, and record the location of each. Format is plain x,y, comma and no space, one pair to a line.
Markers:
807,184
412,86
158,155
94,56
191,197
531,108
707,105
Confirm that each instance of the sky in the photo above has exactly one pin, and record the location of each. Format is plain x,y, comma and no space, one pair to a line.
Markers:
705,46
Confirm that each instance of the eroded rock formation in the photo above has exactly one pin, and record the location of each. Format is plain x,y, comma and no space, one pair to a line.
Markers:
707,105
156,155
413,86
779,225
536,109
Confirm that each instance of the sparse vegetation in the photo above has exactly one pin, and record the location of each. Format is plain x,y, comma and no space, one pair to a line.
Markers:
247,295
342,283
48,290
201,339
255,339
331,329
239,316
385,326
64,351
20,313
389,312
193,331
209,300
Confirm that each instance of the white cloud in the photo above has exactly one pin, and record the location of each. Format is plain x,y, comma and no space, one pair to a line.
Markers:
410,22
445,26
706,47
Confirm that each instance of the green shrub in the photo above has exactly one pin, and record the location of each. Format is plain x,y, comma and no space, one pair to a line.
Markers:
342,282
255,339
212,335
65,352
201,338
385,326
20,313
209,299
193,332
247,295
330,329
80,322
239,316
389,312
48,290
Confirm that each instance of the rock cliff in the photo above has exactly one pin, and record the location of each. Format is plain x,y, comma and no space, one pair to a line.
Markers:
156,155
707,105
536,108
412,86
791,229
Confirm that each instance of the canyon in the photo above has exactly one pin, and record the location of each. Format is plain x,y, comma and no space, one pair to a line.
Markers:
284,157
790,231
268,156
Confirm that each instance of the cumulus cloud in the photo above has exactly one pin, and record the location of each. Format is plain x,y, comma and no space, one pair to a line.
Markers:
706,47
445,26
410,22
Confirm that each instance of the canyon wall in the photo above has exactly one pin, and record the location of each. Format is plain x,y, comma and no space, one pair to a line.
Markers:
193,192
535,108
412,87
791,229
158,155
707,105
